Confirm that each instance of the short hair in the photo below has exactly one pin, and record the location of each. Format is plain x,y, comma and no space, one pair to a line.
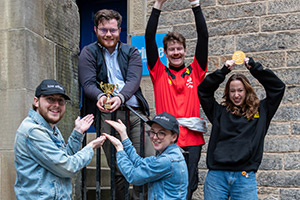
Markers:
106,14
251,103
175,37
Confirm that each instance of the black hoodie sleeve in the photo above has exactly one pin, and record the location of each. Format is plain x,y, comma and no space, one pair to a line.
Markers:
206,91
151,46
201,52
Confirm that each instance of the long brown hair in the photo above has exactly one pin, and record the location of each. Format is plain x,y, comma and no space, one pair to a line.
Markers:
251,103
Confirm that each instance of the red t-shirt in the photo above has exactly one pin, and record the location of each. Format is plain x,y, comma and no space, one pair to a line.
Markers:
176,93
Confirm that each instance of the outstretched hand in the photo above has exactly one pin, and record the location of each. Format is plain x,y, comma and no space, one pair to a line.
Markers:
117,143
98,142
81,125
246,62
158,4
230,64
120,128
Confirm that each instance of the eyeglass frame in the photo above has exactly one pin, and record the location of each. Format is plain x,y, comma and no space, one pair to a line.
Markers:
156,133
105,30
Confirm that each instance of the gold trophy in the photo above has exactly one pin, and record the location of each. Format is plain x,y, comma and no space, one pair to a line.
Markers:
239,57
108,89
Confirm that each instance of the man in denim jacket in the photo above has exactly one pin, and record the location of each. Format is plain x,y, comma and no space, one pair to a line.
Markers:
44,162
166,173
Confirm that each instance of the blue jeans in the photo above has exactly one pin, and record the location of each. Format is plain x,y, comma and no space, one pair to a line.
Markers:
238,185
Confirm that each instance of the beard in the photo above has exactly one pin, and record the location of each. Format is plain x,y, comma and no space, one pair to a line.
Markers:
108,42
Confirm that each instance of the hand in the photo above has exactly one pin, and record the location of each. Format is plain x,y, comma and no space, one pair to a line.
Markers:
117,143
120,128
197,3
230,64
81,125
98,142
115,103
100,104
246,62
158,4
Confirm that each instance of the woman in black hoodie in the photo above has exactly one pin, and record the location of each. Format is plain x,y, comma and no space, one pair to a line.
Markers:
239,126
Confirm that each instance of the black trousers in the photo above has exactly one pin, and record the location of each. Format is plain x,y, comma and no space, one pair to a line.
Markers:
193,160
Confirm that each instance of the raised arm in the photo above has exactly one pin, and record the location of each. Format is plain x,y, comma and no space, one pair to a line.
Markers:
209,85
151,46
201,52
274,87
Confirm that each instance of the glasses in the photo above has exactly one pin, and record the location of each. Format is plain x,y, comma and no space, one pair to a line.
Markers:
105,30
160,135
52,100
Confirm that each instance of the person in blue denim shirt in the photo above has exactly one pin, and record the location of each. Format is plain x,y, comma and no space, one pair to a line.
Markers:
166,173
43,161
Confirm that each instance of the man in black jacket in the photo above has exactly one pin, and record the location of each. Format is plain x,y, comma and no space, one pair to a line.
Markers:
110,61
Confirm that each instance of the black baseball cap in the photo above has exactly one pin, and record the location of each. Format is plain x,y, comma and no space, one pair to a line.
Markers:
167,121
50,86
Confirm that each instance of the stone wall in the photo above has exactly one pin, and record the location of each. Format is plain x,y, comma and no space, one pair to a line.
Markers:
38,40
268,31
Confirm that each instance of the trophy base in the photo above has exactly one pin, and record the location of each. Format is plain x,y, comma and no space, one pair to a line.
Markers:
107,106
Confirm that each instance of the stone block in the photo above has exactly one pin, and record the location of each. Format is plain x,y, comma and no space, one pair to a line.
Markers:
293,58
278,178
15,16
267,193
20,101
292,161
7,175
62,23
67,75
221,45
289,76
137,17
256,42
187,30
176,18
282,144
202,176
268,41
233,27
271,162
24,68
228,2
199,193
175,5
279,129
280,22
296,128
274,59
235,11
288,40
287,113
291,95
12,14
191,48
283,6
202,162
289,193
214,63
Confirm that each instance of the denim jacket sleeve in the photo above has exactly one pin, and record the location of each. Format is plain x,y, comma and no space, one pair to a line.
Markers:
60,159
138,170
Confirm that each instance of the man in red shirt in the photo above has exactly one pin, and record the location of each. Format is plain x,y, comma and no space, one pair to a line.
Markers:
175,87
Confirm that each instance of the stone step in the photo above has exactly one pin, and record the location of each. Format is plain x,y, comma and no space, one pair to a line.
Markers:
91,193
91,177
